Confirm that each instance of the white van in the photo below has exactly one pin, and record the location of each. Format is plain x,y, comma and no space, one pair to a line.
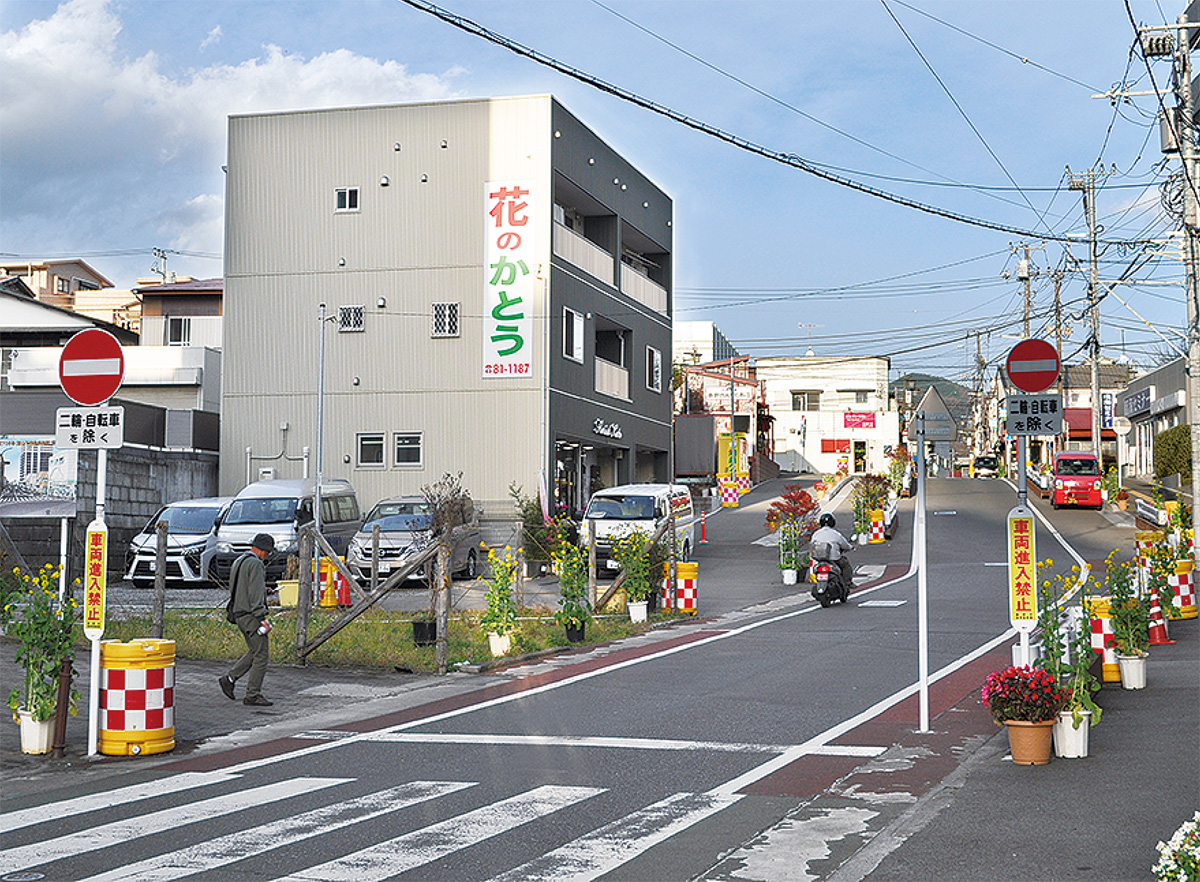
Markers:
618,511
280,508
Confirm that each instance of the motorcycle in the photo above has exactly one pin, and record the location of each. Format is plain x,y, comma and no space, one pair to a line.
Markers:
828,584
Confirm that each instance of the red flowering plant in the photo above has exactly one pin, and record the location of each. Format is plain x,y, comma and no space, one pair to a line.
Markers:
1023,694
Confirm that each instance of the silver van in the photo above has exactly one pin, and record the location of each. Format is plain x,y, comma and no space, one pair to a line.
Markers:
405,529
618,511
191,542
280,508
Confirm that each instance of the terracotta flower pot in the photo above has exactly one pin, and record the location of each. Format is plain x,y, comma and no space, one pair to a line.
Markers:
1030,742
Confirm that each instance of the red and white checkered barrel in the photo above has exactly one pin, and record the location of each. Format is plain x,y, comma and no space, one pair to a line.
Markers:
729,493
687,587
1144,539
1102,634
137,697
1183,583
877,532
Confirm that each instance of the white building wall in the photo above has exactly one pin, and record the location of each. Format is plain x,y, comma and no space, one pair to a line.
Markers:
415,240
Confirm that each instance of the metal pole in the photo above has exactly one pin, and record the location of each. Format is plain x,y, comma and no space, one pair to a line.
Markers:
320,422
922,578
1187,148
1094,309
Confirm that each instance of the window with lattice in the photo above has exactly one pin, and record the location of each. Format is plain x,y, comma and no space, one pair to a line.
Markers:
445,320
350,318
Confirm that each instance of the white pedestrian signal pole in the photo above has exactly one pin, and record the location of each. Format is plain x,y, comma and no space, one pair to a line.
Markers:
922,579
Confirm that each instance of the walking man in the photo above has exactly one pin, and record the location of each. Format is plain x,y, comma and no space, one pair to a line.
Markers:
248,605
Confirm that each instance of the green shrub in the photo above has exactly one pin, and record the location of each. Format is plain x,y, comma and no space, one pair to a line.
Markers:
1173,453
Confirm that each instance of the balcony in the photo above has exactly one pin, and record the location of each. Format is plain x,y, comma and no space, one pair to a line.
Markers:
638,286
574,248
612,379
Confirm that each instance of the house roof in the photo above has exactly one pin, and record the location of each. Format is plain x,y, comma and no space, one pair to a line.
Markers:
191,286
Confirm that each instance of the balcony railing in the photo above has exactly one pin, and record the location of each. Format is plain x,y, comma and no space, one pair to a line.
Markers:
643,290
612,379
574,248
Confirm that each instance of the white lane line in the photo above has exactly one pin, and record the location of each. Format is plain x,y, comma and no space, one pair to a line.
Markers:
607,848
238,846
79,805
120,832
395,856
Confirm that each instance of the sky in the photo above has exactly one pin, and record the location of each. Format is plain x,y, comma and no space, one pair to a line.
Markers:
113,122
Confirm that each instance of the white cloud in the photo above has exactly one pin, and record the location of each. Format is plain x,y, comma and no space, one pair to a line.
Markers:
110,136
214,36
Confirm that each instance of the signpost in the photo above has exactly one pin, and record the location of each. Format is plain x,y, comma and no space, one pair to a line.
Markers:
1022,575
1122,426
933,422
90,369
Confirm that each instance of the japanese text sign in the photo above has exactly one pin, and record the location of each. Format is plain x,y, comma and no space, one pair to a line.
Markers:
1034,414
1022,569
89,428
510,276
95,580
851,420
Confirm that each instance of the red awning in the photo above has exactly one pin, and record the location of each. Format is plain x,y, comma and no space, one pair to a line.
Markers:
1079,424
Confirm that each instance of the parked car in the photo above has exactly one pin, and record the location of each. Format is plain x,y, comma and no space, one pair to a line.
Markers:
280,508
191,541
985,466
405,529
618,511
1076,480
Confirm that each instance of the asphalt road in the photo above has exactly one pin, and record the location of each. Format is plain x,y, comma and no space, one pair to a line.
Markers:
696,756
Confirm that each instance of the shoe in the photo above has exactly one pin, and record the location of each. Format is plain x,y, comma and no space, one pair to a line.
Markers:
226,686
257,701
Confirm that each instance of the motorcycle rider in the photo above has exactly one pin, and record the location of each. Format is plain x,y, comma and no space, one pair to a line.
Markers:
837,546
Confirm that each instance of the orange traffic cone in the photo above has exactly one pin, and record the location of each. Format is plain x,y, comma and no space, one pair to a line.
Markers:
328,595
343,591
1158,627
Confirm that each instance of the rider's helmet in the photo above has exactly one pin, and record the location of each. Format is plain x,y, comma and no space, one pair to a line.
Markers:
827,520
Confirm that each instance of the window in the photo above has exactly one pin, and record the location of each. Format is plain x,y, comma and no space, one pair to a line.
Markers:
347,199
860,397
350,318
573,335
85,285
408,449
62,285
370,450
653,369
806,401
445,320
178,330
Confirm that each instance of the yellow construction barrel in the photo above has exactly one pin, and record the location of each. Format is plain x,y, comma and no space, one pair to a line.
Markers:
687,586
137,697
1101,622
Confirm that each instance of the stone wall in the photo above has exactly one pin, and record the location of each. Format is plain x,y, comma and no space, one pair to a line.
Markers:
139,481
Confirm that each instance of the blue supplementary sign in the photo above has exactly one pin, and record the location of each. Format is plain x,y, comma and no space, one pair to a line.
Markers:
1107,402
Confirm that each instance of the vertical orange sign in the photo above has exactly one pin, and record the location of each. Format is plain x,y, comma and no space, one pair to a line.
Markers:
1022,569
95,580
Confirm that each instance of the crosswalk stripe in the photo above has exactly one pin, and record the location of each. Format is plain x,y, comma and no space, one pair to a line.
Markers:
603,850
79,805
387,859
238,846
119,832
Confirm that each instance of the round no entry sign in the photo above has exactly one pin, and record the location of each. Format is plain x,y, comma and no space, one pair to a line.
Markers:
91,367
1033,366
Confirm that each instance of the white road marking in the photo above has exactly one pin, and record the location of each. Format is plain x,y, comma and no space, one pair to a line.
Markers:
576,741
607,848
398,855
882,603
238,846
119,832
109,798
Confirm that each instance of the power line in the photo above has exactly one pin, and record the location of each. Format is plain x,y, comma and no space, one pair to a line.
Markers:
789,159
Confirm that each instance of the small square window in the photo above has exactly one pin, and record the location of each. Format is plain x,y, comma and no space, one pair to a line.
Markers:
860,397
62,285
347,199
350,318
179,330
407,447
370,450
573,335
806,401
445,320
653,369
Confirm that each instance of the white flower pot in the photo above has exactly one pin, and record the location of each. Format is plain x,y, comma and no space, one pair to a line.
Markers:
1133,671
862,538
639,611
1069,742
789,577
36,735
499,643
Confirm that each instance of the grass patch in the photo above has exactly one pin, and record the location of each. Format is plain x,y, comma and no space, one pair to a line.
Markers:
377,638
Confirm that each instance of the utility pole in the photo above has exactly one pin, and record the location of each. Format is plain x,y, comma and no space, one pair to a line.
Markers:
1062,383
1087,183
1024,273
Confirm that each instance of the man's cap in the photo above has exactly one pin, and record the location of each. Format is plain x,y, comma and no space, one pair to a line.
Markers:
264,542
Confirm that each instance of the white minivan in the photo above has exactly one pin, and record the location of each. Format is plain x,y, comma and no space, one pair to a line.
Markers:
618,511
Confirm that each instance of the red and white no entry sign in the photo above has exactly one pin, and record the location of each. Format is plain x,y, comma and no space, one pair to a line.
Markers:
1033,366
91,367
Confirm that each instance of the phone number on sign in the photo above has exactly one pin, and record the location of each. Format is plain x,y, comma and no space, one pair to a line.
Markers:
502,369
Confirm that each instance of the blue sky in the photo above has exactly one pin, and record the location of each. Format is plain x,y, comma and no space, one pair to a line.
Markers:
114,124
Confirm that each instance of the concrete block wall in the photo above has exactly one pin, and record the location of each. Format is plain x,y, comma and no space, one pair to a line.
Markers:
139,481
